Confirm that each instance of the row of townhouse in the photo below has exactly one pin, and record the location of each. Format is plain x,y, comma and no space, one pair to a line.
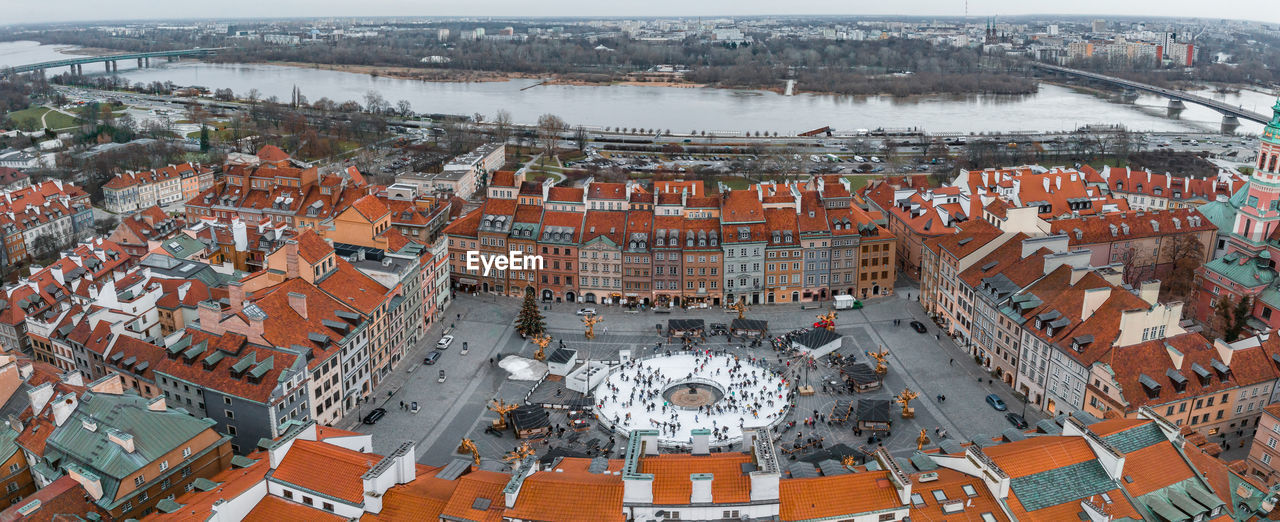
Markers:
1046,309
916,213
48,215
1146,245
129,192
306,337
1076,467
623,243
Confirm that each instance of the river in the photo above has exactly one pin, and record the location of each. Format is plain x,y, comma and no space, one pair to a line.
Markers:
1053,108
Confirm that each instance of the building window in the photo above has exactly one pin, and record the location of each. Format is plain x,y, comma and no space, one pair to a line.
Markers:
164,464
288,494
328,506
139,480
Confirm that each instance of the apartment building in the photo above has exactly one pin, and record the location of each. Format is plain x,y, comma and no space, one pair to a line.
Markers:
128,192
681,250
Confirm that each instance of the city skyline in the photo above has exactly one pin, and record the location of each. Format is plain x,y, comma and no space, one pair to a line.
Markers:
28,11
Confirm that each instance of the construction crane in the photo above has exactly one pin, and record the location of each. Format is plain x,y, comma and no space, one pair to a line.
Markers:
542,341
905,399
469,446
827,321
740,306
519,454
589,322
881,357
502,409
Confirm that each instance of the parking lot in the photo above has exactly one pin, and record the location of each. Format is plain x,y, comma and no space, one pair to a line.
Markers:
929,365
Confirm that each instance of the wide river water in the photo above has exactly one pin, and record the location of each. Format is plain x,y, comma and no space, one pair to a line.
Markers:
1053,108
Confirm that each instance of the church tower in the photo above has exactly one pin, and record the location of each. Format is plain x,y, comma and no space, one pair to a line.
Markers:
1259,214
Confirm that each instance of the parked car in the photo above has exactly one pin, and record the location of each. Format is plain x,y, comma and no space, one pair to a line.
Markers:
444,342
918,326
996,402
719,329
373,416
1016,420
586,311
431,358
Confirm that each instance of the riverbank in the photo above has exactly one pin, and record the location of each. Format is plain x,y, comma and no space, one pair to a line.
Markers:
472,76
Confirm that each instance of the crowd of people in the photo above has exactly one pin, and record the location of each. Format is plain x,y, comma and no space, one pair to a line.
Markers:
633,397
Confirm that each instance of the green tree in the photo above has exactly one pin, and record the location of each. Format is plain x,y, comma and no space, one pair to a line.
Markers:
1239,317
204,138
530,322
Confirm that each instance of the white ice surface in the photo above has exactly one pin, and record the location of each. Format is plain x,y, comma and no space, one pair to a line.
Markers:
676,368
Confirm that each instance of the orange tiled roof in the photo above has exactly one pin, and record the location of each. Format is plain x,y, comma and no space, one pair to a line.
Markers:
325,468
275,509
353,288
422,499
671,484
836,495
311,248
370,207
952,483
596,496
1154,467
1039,454
473,485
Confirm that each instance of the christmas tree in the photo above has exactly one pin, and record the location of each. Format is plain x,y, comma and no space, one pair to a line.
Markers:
530,321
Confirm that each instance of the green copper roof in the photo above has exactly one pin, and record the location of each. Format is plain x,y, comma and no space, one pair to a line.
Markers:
1136,438
85,437
182,246
1221,214
1247,274
1271,133
1062,485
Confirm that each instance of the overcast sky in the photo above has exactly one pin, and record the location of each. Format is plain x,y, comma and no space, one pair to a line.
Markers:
22,11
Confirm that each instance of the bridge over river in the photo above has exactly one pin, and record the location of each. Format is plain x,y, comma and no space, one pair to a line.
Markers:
1231,114
76,65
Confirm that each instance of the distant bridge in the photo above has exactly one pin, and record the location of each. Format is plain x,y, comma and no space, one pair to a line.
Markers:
1230,113
77,64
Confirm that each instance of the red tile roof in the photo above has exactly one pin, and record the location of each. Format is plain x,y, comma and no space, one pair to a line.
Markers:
371,207
671,484
325,468
596,496
275,509
836,495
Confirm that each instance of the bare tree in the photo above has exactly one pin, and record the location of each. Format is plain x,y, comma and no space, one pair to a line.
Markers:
580,138
502,125
549,128
374,102
404,108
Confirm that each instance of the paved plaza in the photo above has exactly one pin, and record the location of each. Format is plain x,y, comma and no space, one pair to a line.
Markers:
930,365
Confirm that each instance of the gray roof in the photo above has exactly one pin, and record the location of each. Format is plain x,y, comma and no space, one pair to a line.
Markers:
1062,485
816,338
1136,438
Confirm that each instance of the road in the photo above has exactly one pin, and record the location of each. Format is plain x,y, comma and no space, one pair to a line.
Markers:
456,408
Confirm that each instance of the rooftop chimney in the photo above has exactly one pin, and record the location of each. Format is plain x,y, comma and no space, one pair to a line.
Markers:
299,303
235,291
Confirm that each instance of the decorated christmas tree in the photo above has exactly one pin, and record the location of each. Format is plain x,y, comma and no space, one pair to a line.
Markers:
530,322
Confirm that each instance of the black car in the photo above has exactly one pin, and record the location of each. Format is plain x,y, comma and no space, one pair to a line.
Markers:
1016,420
373,416
431,358
719,329
918,326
